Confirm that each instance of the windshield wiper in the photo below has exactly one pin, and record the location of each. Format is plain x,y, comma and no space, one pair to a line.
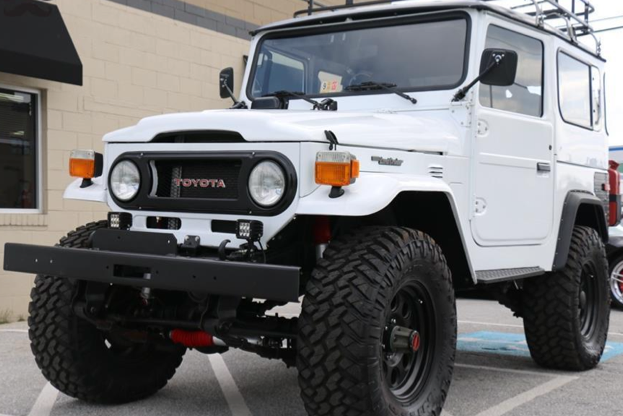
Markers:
325,105
372,85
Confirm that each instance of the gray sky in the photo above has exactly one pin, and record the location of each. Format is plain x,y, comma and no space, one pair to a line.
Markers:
612,46
611,42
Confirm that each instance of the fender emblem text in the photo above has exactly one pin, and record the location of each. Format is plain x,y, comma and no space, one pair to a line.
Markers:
387,161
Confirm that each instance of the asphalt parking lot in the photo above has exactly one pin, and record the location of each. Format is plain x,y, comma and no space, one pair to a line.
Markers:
493,377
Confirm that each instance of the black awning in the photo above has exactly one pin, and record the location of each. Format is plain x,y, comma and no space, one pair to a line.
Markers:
34,42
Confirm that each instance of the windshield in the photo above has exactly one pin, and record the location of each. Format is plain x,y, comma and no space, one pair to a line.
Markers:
413,56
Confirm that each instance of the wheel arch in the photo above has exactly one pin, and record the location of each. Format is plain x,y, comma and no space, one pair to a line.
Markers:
580,208
418,202
434,209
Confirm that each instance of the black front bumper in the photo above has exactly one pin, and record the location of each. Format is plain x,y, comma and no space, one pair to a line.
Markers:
168,272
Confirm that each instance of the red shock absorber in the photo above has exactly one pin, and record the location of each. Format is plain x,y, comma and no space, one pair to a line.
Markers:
322,234
322,230
192,339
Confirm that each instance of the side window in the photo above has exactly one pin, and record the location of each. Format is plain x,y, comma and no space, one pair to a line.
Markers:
605,89
526,95
276,72
598,111
574,90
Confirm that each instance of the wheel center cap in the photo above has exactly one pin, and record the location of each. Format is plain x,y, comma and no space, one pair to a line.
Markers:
403,340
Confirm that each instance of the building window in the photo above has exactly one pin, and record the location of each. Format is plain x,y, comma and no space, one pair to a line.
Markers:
525,96
19,151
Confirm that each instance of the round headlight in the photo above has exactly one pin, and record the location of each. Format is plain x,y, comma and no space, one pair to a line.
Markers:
125,180
267,183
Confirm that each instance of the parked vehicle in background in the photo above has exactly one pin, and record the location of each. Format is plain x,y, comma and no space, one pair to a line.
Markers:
379,158
615,259
616,154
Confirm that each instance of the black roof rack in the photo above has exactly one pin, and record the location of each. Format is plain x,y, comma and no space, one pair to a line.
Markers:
569,17
312,8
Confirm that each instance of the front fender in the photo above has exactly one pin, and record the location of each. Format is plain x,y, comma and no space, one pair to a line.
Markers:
95,193
369,194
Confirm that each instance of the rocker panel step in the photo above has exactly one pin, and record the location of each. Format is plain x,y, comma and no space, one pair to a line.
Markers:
502,275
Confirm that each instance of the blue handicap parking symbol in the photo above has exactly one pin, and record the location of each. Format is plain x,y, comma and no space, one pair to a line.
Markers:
514,344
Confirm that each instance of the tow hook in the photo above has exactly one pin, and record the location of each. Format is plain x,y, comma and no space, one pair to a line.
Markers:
404,340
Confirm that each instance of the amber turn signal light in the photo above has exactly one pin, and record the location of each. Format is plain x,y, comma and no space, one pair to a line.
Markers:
336,168
85,164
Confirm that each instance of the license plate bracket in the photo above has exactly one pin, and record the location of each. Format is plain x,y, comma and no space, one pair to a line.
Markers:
137,242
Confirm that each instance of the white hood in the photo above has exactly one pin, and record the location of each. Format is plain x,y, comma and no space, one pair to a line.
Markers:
429,131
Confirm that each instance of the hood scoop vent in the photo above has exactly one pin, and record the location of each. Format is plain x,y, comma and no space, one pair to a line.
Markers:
436,171
205,136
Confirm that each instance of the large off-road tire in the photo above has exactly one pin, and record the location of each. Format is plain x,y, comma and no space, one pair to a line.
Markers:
76,357
616,281
368,280
567,313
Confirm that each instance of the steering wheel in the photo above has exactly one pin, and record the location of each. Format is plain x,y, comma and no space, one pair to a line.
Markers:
360,77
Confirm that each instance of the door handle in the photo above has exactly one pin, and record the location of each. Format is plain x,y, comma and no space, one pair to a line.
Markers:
543,167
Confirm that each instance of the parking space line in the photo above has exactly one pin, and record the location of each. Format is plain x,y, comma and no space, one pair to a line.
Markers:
234,399
523,398
25,331
544,373
45,402
491,324
616,334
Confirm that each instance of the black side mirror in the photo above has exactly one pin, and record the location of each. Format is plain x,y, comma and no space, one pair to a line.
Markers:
501,65
226,83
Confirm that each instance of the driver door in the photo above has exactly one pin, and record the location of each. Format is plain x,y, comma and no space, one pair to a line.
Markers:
514,178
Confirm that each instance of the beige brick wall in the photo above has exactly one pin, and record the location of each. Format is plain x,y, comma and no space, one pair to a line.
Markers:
260,12
136,64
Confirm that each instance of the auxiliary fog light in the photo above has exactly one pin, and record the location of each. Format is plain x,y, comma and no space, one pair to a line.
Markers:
249,230
120,220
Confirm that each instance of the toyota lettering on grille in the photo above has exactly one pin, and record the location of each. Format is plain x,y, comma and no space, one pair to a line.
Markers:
200,183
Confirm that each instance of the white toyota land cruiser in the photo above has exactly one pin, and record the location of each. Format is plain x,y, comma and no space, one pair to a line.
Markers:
379,158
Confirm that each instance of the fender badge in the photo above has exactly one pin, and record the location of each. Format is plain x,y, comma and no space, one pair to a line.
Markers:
389,161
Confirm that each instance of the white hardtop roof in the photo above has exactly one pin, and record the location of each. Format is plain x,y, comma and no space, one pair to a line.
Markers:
547,15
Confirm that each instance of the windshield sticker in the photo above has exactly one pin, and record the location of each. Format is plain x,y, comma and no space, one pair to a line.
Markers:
329,83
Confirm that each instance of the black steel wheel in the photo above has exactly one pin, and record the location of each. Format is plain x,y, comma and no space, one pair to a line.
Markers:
588,300
567,313
406,371
377,334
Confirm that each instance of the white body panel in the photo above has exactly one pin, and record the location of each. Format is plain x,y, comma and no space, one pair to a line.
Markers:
429,131
508,149
488,157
